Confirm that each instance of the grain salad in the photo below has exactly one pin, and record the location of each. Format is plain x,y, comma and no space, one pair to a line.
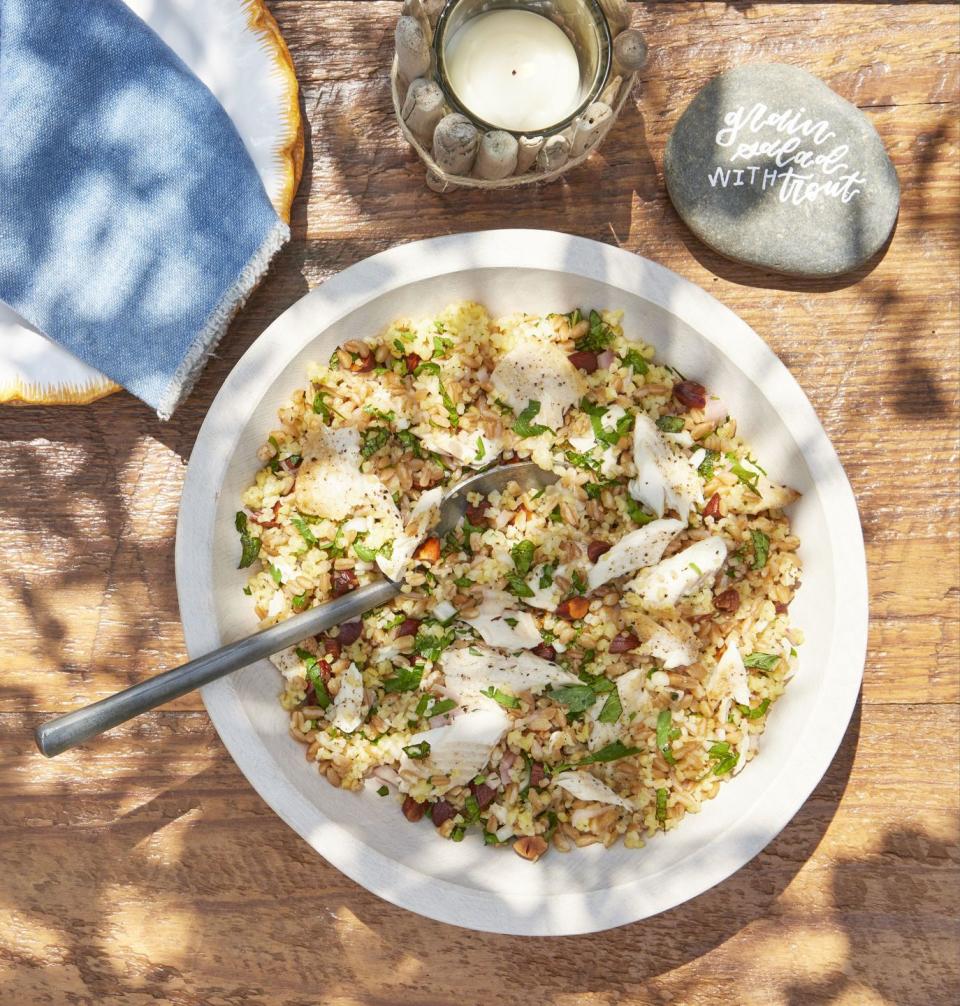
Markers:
577,664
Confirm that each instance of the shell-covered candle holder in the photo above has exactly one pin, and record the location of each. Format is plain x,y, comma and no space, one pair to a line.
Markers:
460,149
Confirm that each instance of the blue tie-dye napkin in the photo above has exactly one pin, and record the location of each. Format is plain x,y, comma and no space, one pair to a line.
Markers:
133,222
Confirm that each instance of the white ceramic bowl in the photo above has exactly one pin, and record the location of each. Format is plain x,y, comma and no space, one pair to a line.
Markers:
364,836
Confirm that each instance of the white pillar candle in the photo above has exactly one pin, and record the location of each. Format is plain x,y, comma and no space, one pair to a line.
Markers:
513,69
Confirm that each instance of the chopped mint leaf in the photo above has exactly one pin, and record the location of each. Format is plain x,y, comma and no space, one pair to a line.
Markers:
723,758
612,708
405,679
249,543
576,698
518,586
434,368
762,661
417,751
635,362
508,701
364,552
525,426
374,437
754,714
636,512
666,732
301,525
598,338
761,548
670,424
706,466
662,806
522,555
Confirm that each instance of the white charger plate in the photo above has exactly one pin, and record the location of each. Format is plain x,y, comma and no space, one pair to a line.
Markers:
236,49
364,836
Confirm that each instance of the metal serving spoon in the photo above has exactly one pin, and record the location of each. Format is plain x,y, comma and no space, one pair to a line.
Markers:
74,728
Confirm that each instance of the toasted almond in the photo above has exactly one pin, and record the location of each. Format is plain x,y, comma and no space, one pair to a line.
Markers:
530,847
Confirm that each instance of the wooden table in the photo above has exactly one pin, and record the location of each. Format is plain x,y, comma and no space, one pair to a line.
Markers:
144,869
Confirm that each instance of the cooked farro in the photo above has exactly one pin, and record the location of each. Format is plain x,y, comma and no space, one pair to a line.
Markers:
604,684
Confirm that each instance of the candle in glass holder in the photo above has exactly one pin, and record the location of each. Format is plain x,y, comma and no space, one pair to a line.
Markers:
514,69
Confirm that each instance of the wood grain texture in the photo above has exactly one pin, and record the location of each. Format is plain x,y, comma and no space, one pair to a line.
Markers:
145,870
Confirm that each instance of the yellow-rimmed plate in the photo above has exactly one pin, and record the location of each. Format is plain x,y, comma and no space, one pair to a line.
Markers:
236,49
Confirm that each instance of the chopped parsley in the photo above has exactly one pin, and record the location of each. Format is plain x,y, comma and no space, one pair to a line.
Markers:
546,575
578,582
249,543
761,548
276,574
417,751
762,661
463,582
481,450
525,426
383,791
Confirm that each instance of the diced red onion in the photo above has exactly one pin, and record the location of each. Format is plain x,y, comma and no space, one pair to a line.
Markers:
506,763
715,410
606,358
387,774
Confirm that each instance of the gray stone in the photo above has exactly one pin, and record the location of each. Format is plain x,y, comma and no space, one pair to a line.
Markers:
770,167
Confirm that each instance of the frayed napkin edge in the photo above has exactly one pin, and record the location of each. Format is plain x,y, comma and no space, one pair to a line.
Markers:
219,320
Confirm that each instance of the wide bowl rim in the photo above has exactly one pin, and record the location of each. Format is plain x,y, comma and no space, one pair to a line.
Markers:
549,251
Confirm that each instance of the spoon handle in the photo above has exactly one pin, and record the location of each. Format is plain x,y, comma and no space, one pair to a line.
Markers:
74,728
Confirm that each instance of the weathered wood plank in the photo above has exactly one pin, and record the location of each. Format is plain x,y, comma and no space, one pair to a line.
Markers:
239,906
